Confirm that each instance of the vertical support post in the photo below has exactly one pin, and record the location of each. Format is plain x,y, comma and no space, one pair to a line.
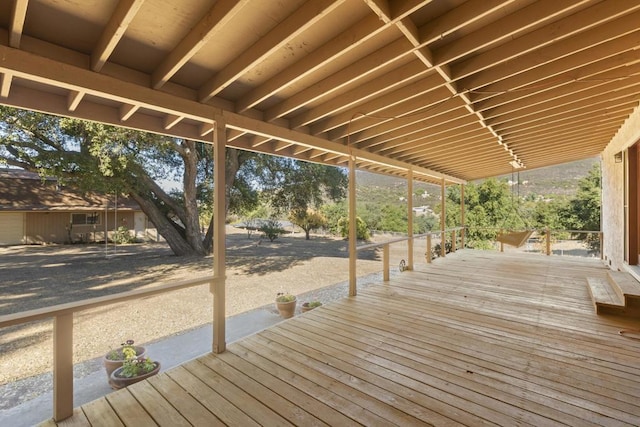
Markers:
453,241
428,254
410,219
385,262
63,366
443,219
462,231
501,243
219,237
601,245
548,232
353,255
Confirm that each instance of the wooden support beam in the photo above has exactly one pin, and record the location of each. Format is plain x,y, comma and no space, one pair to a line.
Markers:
5,84
63,366
443,217
353,255
462,231
18,15
219,235
73,99
410,219
127,110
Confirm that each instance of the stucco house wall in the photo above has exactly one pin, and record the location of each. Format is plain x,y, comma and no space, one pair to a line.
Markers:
613,176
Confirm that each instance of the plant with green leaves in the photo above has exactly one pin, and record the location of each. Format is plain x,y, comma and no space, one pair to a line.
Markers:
307,219
271,228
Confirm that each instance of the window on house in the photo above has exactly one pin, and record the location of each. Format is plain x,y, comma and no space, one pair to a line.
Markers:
85,218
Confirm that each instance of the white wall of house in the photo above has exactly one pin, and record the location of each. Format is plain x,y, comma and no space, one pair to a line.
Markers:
613,191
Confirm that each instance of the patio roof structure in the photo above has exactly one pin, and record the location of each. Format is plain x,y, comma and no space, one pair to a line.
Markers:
452,89
442,91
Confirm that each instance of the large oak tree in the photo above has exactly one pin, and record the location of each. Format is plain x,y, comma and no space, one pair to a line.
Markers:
96,157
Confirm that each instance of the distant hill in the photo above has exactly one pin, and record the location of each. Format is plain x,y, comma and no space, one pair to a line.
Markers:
550,181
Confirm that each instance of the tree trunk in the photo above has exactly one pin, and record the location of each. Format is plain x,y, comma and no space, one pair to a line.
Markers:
233,161
191,221
165,227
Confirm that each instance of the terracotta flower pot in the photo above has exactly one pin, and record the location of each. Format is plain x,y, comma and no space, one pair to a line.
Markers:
286,309
306,307
111,365
119,382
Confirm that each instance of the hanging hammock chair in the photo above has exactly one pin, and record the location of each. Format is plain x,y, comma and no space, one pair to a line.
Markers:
512,237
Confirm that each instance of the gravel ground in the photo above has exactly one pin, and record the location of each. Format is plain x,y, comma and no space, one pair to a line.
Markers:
36,276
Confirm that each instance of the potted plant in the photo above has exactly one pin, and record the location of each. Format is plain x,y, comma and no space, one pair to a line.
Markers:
307,306
286,304
134,368
115,358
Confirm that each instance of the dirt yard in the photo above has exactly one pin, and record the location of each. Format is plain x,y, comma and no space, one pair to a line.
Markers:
39,276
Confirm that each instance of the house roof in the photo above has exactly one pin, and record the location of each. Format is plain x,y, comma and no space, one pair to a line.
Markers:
27,191
451,89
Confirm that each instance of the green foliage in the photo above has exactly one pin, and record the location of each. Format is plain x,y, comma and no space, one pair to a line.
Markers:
333,212
271,228
291,185
362,231
583,211
122,236
282,297
314,304
307,219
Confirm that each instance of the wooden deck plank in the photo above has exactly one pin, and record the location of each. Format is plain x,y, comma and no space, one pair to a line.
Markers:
420,367
185,403
163,413
477,338
130,412
446,347
224,410
331,396
99,412
259,412
336,381
269,397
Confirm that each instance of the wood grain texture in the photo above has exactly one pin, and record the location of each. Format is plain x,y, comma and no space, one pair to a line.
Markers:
477,338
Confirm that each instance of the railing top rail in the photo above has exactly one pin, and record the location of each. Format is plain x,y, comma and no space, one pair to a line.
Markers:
403,239
72,307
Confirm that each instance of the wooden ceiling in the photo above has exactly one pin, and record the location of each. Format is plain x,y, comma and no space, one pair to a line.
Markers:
452,89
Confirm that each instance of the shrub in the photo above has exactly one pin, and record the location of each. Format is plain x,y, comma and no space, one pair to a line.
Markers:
362,231
272,229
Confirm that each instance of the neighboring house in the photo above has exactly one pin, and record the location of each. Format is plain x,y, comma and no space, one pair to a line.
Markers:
36,210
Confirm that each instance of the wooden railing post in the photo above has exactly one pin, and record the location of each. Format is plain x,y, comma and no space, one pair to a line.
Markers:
453,241
443,244
63,366
601,234
428,254
548,232
385,263
501,243
462,238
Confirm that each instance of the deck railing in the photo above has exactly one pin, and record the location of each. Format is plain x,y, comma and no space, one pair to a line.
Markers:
62,315
438,243
543,240
456,233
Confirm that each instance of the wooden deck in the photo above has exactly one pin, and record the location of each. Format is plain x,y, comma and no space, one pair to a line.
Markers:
474,339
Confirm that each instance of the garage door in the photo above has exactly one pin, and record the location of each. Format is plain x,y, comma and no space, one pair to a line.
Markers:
11,228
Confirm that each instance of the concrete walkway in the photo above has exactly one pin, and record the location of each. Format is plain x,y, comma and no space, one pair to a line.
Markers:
169,352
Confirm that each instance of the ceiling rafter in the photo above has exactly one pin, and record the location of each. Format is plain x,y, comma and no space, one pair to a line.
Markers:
209,25
408,28
579,31
306,16
120,20
506,27
16,24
